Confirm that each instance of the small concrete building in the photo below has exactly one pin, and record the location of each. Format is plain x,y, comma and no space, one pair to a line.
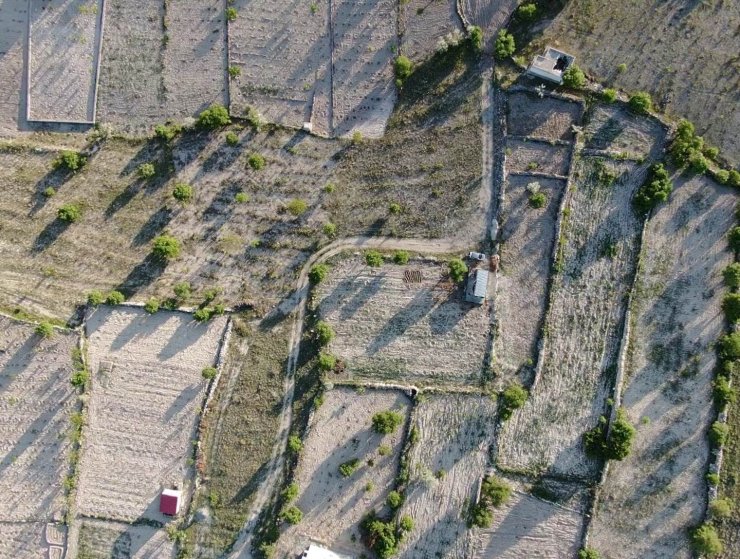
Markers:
551,65
170,502
477,287
317,552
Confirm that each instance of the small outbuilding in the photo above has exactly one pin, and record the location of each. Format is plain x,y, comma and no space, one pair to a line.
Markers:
477,287
317,552
551,65
170,502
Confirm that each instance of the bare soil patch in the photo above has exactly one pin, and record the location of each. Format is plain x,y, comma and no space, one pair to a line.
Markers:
489,15
546,118
23,540
333,505
615,129
13,18
147,391
65,37
446,465
584,324
651,499
101,539
527,237
36,401
423,23
388,328
537,157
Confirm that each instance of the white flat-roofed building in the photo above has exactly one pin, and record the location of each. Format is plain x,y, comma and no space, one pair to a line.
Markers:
551,65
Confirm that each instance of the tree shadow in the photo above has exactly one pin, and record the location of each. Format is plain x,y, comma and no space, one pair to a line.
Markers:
49,235
153,226
142,275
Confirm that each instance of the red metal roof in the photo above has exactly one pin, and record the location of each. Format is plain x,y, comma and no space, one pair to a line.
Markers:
169,504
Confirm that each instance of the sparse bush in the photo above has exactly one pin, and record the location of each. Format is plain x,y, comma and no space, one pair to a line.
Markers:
350,467
401,257
182,192
115,298
706,541
241,197
711,152
504,46
256,161
152,305
327,362
211,293
95,298
318,273
457,270
609,95
297,207
698,163
381,536
527,12
357,137
641,102
722,176
728,347
69,160
733,238
656,188
45,330
731,275
721,508
254,118
538,200
386,422
475,34
291,514
329,229
512,399
495,491
79,378
234,71
574,77
373,258
406,523
588,553
232,138
324,333
146,170
294,444
481,516
723,393
733,178
622,68
231,13
290,493
49,192
402,67
213,117
718,433
619,442
731,306
167,132
69,213
182,290
712,479
384,450
209,373
166,247
203,314
395,208
394,500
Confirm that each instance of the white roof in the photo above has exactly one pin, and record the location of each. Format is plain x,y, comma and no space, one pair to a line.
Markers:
317,552
481,283
172,493
543,66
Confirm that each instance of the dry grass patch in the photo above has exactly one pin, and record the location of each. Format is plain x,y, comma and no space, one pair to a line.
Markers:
424,23
333,505
546,118
13,18
100,539
615,129
392,327
536,157
24,540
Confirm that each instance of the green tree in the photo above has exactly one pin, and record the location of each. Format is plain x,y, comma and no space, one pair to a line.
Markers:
733,238
619,441
718,433
731,306
329,229
349,467
327,362
588,553
721,508
95,298
609,95
723,393
512,399
475,34
166,247
209,373
406,523
504,46
231,13
495,491
290,493
256,161
457,270
394,499
146,170
386,422
401,257
706,541
214,116
152,305
115,298
656,188
731,275
728,347
574,77
182,192
69,213
297,207
402,67
182,290
318,273
373,258
324,333
294,444
69,160
527,12
641,102
538,200
291,514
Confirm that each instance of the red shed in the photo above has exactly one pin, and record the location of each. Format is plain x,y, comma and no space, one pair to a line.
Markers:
170,501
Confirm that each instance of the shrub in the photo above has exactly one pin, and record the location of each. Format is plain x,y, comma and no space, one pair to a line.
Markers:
95,298
69,213
182,290
622,68
481,516
731,306
402,67
641,102
656,188
291,514
495,491
69,160
79,378
457,270
381,536
609,95
209,373
290,493
45,330
297,207
731,275
384,450
619,442
234,72
166,247
231,13
395,208
203,314
721,508
574,77
49,192
686,143
385,422
152,305
538,200
329,229
733,178
350,467
588,553
241,197
357,137
182,192
705,541
256,161
722,176
327,362
115,298
511,399
711,152
733,238
232,138
324,333
718,433
394,500
401,257
373,258
318,273
728,347
406,523
476,37
146,170
213,117
504,46
712,479
211,293
527,12
167,132
294,444
723,393
698,163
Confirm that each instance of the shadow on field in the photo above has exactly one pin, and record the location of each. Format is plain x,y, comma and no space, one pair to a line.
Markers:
153,226
142,275
49,235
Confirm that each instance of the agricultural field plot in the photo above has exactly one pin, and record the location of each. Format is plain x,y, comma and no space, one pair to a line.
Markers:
489,15
36,403
546,118
536,157
13,18
651,499
364,39
403,323
100,539
527,526
527,238
194,57
684,54
446,465
597,258
615,129
146,395
24,540
424,23
284,54
64,49
333,505
131,93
